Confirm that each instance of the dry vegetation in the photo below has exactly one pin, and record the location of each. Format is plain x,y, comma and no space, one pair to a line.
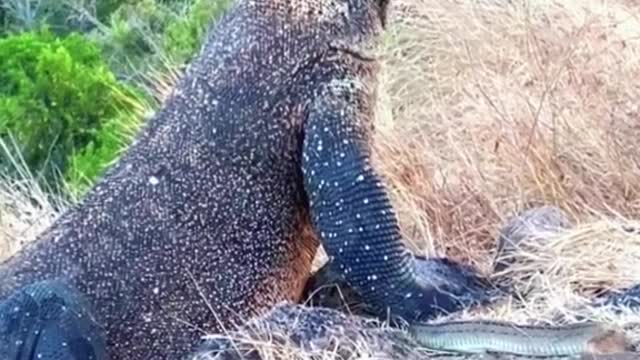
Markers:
489,107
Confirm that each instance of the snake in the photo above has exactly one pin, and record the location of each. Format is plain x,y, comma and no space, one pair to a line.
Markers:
479,336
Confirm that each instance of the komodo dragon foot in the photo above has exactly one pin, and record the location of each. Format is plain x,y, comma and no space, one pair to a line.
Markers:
48,320
327,289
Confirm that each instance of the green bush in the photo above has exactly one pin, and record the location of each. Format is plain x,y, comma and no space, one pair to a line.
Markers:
87,164
183,37
62,95
147,35
131,39
57,97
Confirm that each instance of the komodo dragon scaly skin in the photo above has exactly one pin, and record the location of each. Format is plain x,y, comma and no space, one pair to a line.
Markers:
205,221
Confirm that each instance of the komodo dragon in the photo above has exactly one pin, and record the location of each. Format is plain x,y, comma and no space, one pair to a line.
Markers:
209,217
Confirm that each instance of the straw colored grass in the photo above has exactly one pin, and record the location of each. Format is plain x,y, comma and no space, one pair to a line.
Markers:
492,106
25,208
488,107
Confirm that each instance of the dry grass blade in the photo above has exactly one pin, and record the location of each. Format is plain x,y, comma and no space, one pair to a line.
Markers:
25,208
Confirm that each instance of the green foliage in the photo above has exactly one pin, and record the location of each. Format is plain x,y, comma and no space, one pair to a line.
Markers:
62,95
184,36
22,14
104,8
56,95
149,34
60,16
87,164
132,36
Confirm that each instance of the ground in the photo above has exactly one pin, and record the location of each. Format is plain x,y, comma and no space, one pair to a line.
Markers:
488,107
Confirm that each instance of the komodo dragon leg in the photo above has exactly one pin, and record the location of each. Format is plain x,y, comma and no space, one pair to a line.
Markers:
349,205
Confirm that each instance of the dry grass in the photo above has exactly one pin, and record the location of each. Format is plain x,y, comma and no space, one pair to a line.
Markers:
25,208
489,107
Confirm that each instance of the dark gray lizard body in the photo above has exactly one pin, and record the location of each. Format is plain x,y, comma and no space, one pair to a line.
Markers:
206,220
